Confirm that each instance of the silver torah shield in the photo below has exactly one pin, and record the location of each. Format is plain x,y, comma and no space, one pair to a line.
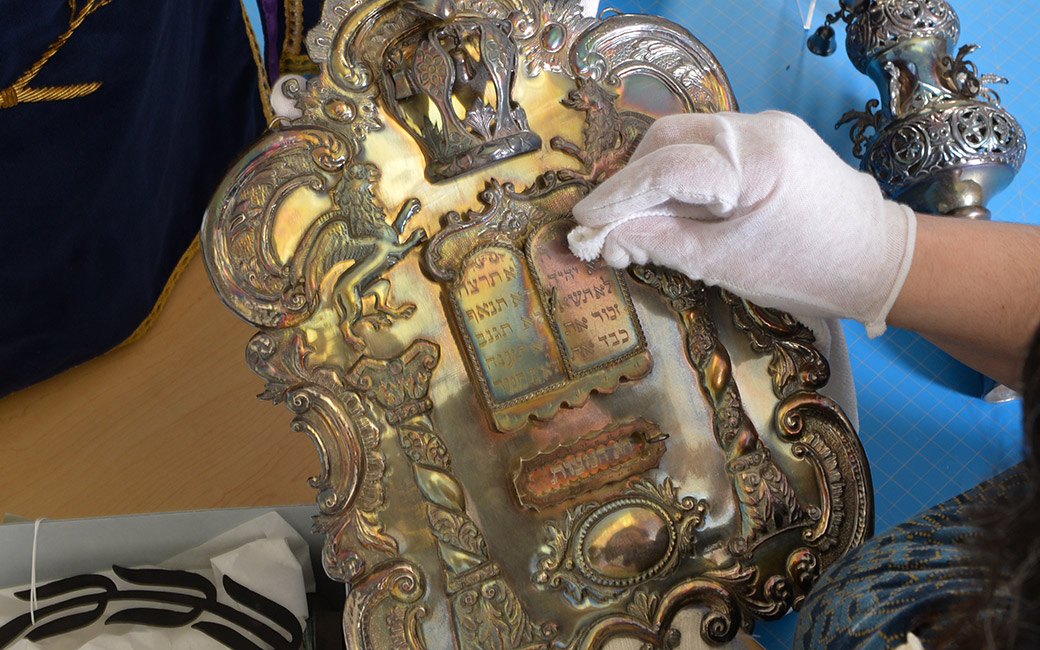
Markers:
519,449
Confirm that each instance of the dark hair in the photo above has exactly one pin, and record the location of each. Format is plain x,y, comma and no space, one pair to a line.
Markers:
1008,614
1021,533
1031,404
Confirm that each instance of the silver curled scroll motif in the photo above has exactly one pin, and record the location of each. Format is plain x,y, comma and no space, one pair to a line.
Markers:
518,449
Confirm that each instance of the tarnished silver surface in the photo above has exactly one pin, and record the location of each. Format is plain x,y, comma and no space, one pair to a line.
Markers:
520,449
939,141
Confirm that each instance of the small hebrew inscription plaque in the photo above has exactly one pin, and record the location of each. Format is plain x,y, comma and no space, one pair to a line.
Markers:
541,330
592,462
506,325
588,306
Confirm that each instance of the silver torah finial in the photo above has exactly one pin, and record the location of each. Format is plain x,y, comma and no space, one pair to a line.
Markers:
938,140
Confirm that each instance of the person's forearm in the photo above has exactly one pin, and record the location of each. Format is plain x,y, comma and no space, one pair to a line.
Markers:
974,290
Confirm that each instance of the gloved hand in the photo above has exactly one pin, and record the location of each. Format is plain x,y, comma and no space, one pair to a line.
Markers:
757,204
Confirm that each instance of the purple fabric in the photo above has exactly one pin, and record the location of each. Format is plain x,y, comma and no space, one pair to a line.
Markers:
270,11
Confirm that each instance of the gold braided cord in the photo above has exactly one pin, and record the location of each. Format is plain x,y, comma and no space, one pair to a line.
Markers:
261,70
160,302
293,27
293,59
53,93
20,92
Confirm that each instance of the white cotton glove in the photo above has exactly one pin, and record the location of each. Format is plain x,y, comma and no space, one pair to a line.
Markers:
757,204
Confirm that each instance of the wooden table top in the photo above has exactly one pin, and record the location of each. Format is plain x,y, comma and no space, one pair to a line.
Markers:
169,422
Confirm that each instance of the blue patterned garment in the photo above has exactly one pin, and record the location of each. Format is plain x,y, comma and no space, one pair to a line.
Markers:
914,577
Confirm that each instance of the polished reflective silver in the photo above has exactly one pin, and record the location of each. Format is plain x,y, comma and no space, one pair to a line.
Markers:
939,141
520,449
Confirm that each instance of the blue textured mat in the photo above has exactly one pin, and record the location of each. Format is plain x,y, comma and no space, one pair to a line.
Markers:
927,434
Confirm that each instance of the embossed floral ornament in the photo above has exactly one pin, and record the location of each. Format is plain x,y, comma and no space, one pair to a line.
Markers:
431,66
